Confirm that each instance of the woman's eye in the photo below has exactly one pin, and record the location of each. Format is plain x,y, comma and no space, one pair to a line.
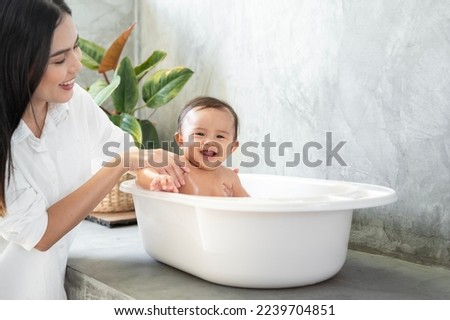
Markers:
60,62
77,43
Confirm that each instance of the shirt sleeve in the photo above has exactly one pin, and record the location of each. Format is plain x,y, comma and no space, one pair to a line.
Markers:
107,140
26,217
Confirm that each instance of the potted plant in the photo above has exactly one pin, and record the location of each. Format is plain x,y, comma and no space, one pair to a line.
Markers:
124,87
130,89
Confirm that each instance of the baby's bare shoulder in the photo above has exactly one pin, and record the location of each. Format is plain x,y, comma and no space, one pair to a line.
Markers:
227,171
229,174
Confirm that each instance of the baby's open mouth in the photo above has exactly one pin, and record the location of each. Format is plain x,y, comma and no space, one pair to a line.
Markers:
209,153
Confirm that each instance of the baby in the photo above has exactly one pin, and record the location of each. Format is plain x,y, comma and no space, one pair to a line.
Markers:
207,135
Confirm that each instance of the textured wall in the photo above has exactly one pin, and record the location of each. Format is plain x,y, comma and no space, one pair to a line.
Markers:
101,22
374,73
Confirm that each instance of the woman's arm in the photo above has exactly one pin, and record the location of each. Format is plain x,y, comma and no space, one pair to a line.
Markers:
67,213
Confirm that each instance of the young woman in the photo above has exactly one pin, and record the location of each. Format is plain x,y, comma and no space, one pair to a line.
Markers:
51,132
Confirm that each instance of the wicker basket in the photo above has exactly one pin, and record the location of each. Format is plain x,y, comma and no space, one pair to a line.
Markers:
116,200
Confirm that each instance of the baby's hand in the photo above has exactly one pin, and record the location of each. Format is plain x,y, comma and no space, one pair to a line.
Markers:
163,182
227,190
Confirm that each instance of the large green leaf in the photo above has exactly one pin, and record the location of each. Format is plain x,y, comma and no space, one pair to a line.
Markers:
142,69
100,90
130,124
97,87
150,138
164,85
116,119
92,53
126,95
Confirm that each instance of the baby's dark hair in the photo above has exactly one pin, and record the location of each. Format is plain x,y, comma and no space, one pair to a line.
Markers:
206,103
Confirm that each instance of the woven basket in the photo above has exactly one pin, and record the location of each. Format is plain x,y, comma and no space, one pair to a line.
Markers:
116,200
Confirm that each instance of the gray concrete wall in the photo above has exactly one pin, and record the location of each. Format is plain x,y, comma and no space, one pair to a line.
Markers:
102,22
374,73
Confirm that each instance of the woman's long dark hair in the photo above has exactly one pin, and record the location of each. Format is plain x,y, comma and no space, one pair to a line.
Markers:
26,32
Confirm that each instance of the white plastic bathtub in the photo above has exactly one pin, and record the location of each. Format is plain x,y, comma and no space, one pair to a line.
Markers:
291,232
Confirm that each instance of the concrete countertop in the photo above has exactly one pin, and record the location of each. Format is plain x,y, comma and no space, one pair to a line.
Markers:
110,263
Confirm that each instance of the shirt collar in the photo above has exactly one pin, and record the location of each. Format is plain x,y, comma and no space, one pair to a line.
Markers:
56,114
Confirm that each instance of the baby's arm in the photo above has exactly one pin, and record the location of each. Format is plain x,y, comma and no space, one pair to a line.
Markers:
148,178
238,189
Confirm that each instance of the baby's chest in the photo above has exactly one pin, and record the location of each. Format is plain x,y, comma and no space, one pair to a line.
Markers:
215,186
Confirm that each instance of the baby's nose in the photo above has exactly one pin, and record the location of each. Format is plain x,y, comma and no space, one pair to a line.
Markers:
210,143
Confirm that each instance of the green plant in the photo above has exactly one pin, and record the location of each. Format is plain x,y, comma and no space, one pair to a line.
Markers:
124,89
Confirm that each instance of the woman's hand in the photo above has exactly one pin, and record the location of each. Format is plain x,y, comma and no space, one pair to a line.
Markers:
169,163
162,161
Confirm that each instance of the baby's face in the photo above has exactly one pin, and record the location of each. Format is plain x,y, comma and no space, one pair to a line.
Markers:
207,137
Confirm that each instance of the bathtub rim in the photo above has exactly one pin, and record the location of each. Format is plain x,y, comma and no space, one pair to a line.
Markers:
363,196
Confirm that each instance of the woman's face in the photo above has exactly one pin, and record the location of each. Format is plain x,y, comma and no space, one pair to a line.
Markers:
58,81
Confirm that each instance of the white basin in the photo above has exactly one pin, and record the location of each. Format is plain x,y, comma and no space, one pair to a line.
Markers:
292,231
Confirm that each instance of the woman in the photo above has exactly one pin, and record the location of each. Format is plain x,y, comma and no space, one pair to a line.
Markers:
50,133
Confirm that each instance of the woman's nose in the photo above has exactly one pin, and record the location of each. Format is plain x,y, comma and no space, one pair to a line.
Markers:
75,63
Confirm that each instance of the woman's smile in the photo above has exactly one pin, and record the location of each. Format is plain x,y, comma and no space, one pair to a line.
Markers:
68,85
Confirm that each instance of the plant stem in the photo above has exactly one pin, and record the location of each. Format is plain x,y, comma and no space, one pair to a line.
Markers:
151,114
106,111
142,107
106,77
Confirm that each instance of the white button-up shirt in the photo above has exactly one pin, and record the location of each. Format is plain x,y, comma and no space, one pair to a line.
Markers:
44,171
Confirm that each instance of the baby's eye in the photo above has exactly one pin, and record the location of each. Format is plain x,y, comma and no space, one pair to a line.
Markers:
199,134
220,136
